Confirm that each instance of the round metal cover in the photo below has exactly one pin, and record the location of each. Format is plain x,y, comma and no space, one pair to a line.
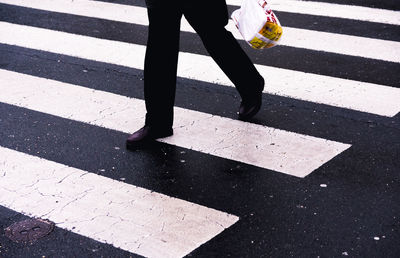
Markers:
29,230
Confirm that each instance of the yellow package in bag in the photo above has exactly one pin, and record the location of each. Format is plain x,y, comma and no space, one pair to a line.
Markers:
258,24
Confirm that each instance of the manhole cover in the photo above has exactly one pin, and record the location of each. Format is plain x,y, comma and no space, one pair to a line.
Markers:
29,230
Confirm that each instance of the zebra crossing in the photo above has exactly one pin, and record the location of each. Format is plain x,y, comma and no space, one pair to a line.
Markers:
300,38
281,81
133,216
114,112
118,213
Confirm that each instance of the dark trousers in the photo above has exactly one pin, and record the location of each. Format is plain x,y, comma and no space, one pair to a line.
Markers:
162,56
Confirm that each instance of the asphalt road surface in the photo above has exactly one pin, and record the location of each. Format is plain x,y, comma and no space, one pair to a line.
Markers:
316,173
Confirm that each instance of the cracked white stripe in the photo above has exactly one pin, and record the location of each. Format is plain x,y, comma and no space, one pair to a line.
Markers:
266,147
300,38
361,96
128,217
353,12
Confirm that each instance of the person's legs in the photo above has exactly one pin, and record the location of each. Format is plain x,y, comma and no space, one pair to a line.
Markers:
209,21
161,66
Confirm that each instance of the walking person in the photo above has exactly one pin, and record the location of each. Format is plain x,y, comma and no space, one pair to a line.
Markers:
208,18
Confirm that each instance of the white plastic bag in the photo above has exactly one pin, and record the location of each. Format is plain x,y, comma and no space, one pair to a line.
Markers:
258,24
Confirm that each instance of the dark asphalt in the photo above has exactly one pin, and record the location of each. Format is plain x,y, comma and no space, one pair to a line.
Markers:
280,215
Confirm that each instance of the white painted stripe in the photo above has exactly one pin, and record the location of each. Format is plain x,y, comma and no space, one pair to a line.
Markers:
300,38
361,96
128,217
342,44
95,9
282,151
333,10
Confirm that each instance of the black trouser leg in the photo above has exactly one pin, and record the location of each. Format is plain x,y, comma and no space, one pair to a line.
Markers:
160,66
225,50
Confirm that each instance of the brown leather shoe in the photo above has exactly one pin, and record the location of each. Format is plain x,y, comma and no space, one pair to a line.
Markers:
248,108
145,136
